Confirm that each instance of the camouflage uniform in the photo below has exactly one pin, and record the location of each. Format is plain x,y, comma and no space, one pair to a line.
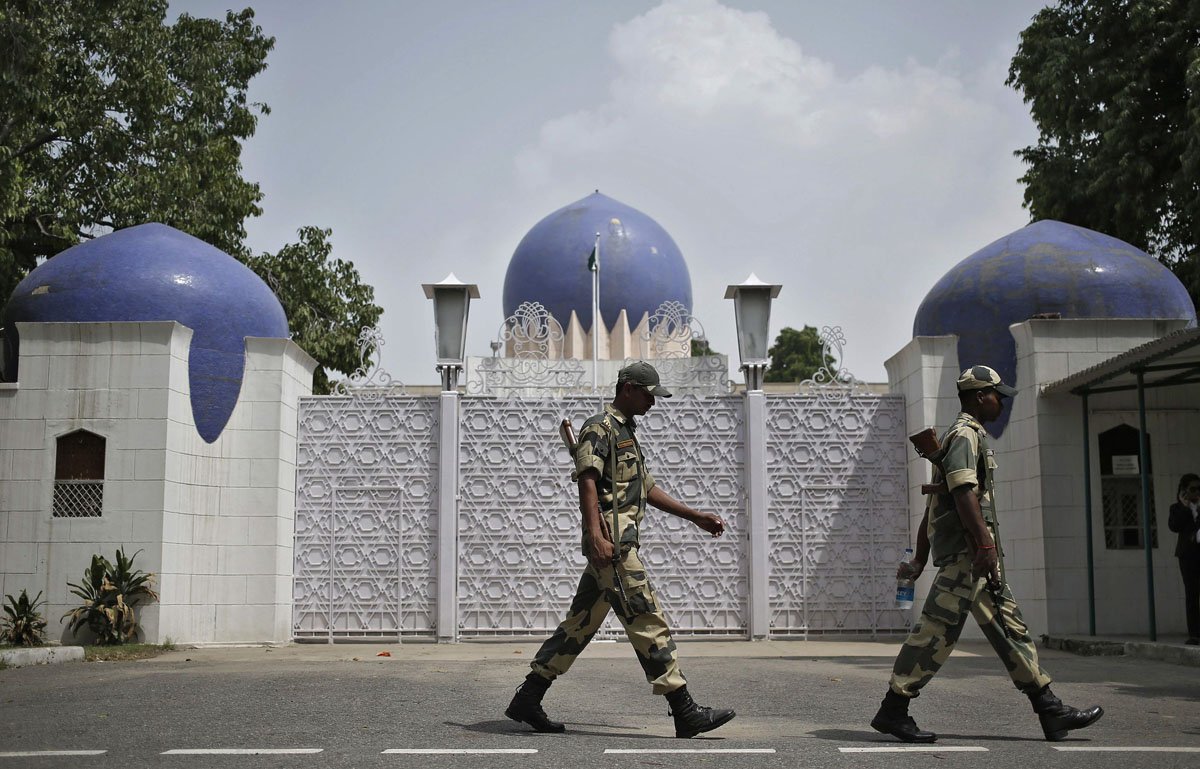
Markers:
967,460
644,622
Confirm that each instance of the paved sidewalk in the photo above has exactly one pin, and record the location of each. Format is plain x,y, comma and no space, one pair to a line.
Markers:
1170,649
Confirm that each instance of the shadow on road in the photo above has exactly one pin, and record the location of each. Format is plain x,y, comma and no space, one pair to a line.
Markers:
591,730
1156,692
850,735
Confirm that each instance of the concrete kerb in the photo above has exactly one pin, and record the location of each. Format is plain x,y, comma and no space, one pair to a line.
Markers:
40,655
1090,646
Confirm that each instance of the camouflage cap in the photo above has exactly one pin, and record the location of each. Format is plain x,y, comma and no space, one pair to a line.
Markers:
981,377
642,373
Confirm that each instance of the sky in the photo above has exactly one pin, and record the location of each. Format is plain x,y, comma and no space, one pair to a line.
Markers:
852,151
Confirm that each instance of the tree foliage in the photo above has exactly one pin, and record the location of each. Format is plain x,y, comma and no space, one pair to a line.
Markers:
110,117
326,303
796,355
1114,89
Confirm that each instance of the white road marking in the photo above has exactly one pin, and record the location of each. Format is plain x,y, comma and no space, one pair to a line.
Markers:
1126,749
459,751
240,751
690,750
33,753
919,749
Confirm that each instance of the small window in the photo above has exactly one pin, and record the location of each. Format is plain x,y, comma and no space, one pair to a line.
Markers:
1121,489
79,475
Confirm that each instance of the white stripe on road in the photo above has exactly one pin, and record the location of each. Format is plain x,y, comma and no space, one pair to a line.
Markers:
32,753
459,751
1127,749
919,749
240,751
690,750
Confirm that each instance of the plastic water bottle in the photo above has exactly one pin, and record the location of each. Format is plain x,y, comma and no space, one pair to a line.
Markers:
904,585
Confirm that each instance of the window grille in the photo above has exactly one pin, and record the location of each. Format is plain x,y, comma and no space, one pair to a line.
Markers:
78,499
79,475
1123,526
1121,489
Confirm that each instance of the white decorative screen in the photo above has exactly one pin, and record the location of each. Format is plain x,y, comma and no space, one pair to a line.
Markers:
838,511
366,520
519,520
693,448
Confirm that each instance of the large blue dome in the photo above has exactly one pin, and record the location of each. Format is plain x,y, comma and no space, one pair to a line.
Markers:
640,266
155,272
1046,267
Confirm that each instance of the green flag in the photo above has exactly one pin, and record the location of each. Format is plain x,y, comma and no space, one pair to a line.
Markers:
593,265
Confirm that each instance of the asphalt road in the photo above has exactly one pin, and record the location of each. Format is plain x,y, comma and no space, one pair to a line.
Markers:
798,704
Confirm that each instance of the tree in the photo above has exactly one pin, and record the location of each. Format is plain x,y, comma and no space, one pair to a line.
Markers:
326,302
701,348
796,355
1114,89
110,117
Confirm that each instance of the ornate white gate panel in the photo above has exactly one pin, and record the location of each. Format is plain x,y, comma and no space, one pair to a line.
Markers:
838,511
518,520
694,449
365,556
519,530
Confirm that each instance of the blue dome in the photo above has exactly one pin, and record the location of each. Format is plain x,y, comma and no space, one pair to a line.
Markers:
153,272
1046,267
640,266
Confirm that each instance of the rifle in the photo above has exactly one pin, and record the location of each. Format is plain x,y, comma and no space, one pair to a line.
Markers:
926,445
567,432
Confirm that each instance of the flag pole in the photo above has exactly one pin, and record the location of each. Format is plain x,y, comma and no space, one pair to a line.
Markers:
596,322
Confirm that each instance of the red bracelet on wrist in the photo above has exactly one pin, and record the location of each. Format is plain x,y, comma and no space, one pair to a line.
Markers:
986,547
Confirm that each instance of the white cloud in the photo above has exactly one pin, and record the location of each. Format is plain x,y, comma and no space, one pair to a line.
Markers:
856,191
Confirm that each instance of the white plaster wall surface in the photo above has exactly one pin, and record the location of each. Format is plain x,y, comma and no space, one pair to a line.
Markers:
214,521
1049,350
66,382
234,570
924,371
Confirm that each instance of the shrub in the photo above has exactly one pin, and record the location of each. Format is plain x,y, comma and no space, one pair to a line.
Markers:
23,624
110,593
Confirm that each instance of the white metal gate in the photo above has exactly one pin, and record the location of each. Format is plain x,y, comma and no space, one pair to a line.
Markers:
836,490
519,521
365,548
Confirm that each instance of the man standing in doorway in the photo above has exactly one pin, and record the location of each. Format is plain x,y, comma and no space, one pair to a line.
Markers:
610,470
960,528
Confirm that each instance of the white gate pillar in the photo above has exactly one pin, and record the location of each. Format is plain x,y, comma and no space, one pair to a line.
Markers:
752,310
448,493
451,306
757,512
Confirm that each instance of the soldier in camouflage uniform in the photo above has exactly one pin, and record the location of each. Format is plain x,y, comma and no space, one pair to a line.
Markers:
960,528
609,464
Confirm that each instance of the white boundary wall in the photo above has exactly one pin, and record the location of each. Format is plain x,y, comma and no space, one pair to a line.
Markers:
214,521
369,542
1039,483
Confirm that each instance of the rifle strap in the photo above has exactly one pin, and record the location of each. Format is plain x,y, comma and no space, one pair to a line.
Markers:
616,531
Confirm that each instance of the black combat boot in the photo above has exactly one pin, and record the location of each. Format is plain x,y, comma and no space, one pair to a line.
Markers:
1058,719
692,719
893,719
526,705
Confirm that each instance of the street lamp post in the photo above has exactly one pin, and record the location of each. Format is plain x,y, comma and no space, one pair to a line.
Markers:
752,309
451,301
